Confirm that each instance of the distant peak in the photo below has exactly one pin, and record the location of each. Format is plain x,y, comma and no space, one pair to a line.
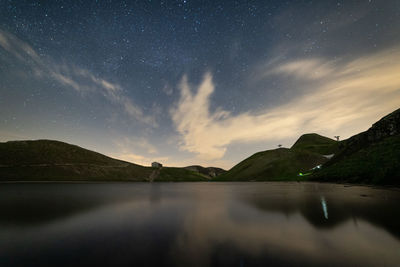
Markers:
312,139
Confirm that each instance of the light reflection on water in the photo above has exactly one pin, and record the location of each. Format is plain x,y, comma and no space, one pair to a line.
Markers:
198,224
324,207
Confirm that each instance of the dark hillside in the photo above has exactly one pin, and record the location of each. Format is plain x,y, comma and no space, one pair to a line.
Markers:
316,143
270,165
47,160
370,157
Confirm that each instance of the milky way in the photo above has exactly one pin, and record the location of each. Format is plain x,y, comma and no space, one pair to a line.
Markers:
187,82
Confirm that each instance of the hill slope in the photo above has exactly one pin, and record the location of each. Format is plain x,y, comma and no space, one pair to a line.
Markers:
372,156
208,171
277,164
316,143
173,174
47,160
53,160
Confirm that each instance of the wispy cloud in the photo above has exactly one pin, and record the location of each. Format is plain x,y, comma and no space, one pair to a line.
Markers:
139,159
343,98
312,69
79,79
7,135
141,150
138,144
138,150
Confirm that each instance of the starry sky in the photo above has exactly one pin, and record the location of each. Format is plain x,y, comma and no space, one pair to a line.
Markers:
195,82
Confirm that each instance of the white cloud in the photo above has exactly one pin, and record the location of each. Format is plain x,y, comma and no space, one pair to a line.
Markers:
7,136
129,144
312,69
81,80
168,90
137,150
139,159
346,100
141,151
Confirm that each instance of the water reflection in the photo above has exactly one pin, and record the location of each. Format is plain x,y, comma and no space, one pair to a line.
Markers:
198,224
324,207
345,203
25,205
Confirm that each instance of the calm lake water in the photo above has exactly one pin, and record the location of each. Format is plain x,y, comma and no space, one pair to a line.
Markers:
198,224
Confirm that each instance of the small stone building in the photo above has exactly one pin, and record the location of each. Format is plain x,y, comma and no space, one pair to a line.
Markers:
156,165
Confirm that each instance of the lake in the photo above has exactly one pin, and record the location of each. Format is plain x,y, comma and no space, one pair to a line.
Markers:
198,224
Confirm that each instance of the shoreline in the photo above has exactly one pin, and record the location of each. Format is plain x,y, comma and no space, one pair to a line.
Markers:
220,182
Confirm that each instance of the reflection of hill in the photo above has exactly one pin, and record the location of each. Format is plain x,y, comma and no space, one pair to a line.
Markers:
35,204
376,206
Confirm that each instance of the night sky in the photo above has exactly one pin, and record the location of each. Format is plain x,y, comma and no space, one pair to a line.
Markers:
195,82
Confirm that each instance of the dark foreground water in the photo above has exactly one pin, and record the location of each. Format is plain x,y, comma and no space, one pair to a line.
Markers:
198,224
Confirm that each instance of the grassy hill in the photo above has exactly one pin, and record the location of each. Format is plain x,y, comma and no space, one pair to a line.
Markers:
370,157
316,143
173,174
273,165
208,171
50,152
377,163
47,160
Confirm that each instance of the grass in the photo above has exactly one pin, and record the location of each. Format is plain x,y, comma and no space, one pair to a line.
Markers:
356,161
47,160
274,165
171,174
316,143
50,152
377,163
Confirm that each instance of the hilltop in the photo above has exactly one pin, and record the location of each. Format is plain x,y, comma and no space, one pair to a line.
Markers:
316,143
208,171
273,165
48,160
371,157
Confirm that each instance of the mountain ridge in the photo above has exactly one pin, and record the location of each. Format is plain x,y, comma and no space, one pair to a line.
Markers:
273,165
316,143
51,160
209,171
372,156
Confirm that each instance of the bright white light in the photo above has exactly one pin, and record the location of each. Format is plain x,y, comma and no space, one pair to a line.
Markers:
324,207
